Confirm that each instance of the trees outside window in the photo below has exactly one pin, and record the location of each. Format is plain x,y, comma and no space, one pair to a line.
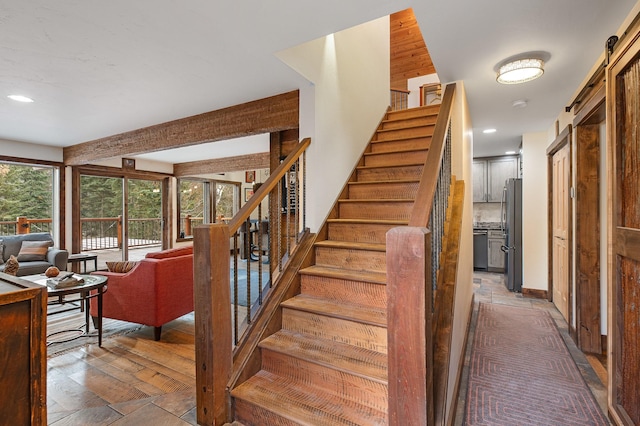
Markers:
26,191
205,201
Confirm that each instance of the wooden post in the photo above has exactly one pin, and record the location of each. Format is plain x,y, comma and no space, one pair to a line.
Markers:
119,231
187,225
409,334
212,322
22,225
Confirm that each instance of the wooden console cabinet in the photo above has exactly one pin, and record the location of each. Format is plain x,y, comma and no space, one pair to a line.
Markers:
23,352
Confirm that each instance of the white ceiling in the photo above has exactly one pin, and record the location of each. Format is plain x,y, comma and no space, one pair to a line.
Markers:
98,68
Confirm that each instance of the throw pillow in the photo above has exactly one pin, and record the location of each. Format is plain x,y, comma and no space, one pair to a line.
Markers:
121,267
33,250
12,266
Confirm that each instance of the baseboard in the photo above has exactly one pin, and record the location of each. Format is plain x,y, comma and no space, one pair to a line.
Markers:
532,292
456,391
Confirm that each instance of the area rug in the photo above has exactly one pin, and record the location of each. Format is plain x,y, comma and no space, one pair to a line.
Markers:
522,373
74,321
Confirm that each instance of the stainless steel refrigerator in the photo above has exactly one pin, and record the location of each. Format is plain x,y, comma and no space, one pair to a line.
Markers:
512,228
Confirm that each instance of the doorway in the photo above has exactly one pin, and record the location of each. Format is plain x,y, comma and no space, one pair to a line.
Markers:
119,216
559,158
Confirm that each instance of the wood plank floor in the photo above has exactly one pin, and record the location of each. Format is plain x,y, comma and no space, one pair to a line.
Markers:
130,380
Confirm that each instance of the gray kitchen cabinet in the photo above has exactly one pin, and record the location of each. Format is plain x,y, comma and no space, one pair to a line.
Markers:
490,175
496,257
479,172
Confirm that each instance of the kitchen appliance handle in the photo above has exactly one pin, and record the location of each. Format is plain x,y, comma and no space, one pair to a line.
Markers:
503,212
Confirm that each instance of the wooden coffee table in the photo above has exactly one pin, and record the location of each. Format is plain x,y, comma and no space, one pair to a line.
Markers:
94,286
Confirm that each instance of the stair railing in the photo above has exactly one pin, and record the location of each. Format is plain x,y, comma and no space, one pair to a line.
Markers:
413,255
229,290
399,99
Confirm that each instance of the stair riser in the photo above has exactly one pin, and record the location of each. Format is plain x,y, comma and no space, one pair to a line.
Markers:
412,112
390,173
384,191
413,132
343,385
359,232
426,120
249,414
395,158
376,210
401,145
355,260
336,329
345,291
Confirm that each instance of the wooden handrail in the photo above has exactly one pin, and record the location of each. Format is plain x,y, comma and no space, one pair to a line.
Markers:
400,90
429,180
266,188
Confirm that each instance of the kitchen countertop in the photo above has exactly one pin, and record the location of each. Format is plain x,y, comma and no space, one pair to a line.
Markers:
486,225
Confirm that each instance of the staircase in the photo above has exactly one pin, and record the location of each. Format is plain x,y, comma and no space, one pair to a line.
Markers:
328,363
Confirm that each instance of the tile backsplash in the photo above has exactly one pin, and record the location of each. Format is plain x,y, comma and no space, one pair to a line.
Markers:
486,212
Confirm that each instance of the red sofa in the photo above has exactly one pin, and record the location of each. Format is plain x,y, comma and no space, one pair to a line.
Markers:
157,290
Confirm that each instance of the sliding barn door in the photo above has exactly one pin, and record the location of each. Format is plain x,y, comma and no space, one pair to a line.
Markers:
624,131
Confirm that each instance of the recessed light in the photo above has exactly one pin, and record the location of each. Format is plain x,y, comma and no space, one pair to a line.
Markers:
487,131
20,98
510,152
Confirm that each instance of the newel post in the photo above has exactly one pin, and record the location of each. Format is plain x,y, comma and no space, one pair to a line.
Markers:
212,306
409,335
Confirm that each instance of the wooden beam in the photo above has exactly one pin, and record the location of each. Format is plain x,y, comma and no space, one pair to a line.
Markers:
266,115
221,165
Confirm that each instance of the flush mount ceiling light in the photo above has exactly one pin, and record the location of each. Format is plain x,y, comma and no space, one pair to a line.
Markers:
520,71
20,98
487,131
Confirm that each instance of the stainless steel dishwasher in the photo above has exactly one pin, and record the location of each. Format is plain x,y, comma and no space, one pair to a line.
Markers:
480,250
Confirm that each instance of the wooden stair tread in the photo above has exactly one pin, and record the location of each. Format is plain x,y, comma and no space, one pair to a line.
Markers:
415,126
382,182
395,151
388,166
370,221
346,311
339,356
351,245
302,404
400,138
346,274
376,200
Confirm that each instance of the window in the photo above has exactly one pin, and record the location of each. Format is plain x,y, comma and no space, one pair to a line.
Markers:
205,201
27,194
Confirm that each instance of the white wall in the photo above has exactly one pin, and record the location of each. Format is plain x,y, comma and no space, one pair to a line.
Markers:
30,150
462,157
534,211
349,71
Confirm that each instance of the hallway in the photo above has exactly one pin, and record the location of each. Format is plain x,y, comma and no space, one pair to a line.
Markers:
490,288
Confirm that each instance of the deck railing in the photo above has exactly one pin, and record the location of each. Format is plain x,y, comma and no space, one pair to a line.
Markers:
232,289
24,225
97,233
